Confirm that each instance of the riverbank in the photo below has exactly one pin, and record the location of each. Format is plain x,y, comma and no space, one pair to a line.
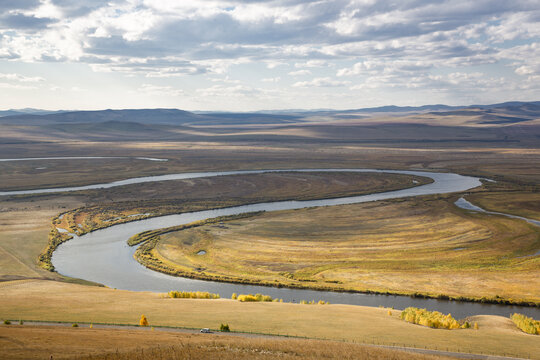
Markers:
55,301
403,247
277,186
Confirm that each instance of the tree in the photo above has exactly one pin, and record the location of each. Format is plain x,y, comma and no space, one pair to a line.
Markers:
143,321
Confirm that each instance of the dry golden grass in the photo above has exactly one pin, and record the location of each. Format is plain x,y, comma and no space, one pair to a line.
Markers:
419,245
40,342
49,300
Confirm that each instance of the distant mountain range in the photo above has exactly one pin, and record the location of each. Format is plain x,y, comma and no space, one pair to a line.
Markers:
508,112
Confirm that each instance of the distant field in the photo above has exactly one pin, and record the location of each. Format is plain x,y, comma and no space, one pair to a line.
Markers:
49,300
424,245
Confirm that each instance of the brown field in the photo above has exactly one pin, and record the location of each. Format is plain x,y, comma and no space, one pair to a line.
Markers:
55,301
402,246
31,342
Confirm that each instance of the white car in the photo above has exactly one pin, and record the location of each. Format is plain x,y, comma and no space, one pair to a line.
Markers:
206,331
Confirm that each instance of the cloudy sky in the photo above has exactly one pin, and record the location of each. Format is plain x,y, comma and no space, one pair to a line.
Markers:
255,54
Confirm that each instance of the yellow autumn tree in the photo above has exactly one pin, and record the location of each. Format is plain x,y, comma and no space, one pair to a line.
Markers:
143,321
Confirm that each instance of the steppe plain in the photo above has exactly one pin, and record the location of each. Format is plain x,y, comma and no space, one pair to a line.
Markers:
499,258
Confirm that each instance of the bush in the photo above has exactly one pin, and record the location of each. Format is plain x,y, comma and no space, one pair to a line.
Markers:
312,302
74,325
7,322
254,298
224,328
21,322
192,295
526,324
234,296
433,319
143,321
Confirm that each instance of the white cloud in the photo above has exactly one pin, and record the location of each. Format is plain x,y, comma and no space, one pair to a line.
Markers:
321,82
21,78
16,86
300,72
156,90
312,64
271,80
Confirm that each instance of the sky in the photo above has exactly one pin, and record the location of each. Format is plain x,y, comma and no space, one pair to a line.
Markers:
261,55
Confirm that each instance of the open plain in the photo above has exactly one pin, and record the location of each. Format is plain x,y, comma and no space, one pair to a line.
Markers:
408,246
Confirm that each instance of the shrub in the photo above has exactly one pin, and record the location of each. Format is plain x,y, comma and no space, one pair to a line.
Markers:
313,302
7,322
234,296
433,319
466,325
192,295
224,328
389,313
143,321
253,298
526,324
21,322
74,325
475,326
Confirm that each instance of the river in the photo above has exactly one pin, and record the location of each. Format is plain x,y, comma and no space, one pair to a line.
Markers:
103,256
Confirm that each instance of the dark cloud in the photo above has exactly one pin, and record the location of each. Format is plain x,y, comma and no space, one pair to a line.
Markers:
19,21
73,8
7,5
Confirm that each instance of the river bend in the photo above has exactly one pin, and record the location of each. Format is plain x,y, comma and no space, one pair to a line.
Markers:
103,256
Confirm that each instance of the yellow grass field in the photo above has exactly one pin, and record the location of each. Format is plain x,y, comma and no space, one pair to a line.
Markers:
31,342
50,301
425,245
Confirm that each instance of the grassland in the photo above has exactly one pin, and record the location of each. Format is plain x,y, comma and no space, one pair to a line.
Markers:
50,301
510,156
424,245
30,342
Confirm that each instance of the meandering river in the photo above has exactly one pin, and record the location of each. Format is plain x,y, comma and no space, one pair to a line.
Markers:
103,256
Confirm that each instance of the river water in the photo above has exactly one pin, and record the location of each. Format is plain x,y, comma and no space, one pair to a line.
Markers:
103,256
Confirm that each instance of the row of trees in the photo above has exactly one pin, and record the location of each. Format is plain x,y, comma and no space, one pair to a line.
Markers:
192,295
